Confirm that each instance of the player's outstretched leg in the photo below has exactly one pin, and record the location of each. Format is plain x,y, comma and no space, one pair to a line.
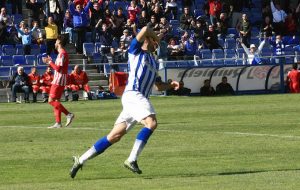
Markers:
99,147
140,142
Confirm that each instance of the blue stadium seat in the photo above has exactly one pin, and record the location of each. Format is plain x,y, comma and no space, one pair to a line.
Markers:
229,62
231,33
218,62
206,62
19,60
5,73
230,43
43,48
183,64
218,54
6,60
8,50
240,53
229,53
171,64
17,18
88,49
198,12
205,54
240,62
31,59
35,49
19,49
255,41
255,32
221,42
41,69
88,37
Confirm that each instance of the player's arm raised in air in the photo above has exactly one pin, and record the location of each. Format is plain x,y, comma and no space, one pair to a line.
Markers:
145,32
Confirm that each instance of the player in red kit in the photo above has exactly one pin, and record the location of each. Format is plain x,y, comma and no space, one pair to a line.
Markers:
60,68
46,80
78,81
293,79
34,81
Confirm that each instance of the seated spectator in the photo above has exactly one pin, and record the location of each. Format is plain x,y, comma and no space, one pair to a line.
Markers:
126,38
68,26
51,30
20,83
78,81
206,89
37,34
143,20
222,26
293,79
253,53
34,82
171,9
46,80
211,39
185,19
181,91
131,27
26,38
190,48
121,54
224,88
133,11
279,45
164,26
3,15
175,51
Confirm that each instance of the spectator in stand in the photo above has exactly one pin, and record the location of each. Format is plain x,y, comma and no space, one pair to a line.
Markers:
80,22
224,88
244,28
144,7
215,8
253,53
171,9
185,19
131,27
267,27
26,38
106,40
46,80
279,16
3,15
34,82
20,83
185,37
133,11
51,35
68,26
222,26
236,8
211,38
279,45
126,38
118,21
290,25
107,18
157,12
35,12
121,53
55,11
3,33
293,79
190,48
199,30
153,23
16,7
78,81
143,20
96,21
175,51
206,89
37,34
164,27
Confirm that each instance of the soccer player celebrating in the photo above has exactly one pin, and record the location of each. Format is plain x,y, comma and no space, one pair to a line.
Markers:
136,105
59,81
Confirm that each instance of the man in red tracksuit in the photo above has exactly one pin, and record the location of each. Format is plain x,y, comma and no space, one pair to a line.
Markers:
293,79
34,81
46,80
59,82
78,80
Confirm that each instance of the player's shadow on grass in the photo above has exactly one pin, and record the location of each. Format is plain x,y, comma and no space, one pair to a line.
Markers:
256,171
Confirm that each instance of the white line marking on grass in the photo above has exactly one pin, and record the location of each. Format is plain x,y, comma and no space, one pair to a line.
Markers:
262,135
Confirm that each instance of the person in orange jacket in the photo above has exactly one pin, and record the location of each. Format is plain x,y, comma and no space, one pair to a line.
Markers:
34,81
45,81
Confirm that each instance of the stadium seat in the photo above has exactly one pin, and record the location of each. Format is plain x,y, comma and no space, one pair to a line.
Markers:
88,49
8,50
217,54
255,32
231,33
198,12
88,37
240,62
35,49
205,54
229,62
17,18
183,64
206,62
229,53
19,60
255,41
5,73
218,62
240,53
230,43
31,60
221,42
6,60
171,64
43,48
19,49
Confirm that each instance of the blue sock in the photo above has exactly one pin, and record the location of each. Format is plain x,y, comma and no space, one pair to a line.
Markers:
102,144
144,134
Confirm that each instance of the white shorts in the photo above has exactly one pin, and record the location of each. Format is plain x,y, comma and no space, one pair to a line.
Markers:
136,107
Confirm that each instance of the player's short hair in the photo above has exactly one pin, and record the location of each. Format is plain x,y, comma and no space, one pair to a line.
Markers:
295,65
63,40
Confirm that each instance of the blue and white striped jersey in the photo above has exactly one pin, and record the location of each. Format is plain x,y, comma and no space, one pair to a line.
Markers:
142,69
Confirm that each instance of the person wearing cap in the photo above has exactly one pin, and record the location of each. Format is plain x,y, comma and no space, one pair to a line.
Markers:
253,53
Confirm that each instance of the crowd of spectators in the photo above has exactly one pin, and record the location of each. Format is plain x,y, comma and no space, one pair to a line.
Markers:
115,23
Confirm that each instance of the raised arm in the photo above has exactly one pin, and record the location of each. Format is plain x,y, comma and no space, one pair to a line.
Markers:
147,31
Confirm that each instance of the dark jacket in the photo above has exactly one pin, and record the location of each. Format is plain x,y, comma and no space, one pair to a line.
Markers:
23,79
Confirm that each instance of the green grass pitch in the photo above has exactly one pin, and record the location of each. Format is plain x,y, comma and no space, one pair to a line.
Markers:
241,142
